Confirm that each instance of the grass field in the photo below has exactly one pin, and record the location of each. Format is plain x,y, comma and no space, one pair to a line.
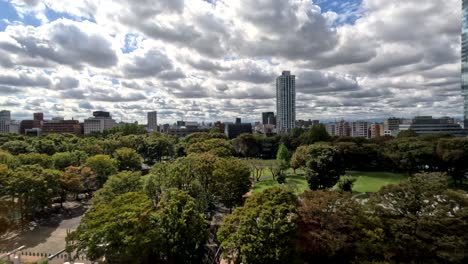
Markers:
366,181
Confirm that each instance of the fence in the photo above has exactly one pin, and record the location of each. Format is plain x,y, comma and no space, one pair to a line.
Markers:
28,256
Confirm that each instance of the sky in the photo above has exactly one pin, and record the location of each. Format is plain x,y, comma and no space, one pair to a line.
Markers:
209,60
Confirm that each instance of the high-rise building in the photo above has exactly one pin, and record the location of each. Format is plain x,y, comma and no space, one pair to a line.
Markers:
5,118
464,59
285,102
152,121
268,118
360,129
5,115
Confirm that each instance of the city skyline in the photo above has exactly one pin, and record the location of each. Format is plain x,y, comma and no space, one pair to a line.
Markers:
357,60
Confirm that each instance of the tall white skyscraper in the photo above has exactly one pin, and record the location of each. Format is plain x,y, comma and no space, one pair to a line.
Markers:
152,121
285,102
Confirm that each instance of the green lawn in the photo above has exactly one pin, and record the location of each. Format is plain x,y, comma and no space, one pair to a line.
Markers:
373,181
366,181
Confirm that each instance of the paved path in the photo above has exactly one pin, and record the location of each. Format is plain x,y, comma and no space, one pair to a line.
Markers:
49,236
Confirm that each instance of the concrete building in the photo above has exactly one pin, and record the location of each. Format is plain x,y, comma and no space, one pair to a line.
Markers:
285,102
5,119
376,130
340,129
152,125
424,125
464,60
100,122
360,129
268,118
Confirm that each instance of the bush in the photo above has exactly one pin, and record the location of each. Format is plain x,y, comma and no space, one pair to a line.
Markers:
345,184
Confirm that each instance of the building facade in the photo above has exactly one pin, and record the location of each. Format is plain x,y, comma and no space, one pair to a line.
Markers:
100,122
464,59
152,125
424,125
5,119
285,102
340,129
360,129
61,126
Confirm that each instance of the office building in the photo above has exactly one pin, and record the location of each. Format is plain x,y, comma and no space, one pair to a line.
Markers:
5,118
152,125
285,102
268,118
61,126
5,115
424,125
100,122
464,60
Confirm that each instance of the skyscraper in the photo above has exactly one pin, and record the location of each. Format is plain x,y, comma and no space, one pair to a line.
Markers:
285,102
465,59
152,121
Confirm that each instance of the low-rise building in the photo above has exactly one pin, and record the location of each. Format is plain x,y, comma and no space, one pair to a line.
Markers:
423,125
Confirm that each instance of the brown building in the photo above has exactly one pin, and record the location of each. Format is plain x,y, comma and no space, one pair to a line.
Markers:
26,124
62,126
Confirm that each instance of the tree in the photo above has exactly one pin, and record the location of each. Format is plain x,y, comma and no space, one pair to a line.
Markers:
324,166
263,230
120,229
216,146
257,167
345,184
44,146
120,183
71,182
299,157
315,134
422,220
7,159
247,145
232,178
283,156
326,221
155,148
181,228
16,147
66,159
103,165
33,188
454,154
128,159
42,160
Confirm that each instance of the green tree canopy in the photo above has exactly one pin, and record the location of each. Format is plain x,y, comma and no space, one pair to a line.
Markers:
103,165
324,166
263,230
128,159
232,178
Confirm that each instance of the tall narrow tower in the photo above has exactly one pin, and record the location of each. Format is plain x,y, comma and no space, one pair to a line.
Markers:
464,59
285,102
152,121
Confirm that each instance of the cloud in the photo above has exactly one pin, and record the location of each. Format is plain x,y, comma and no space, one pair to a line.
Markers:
215,60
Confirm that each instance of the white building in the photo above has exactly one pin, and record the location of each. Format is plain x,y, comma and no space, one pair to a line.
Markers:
152,121
285,102
99,123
